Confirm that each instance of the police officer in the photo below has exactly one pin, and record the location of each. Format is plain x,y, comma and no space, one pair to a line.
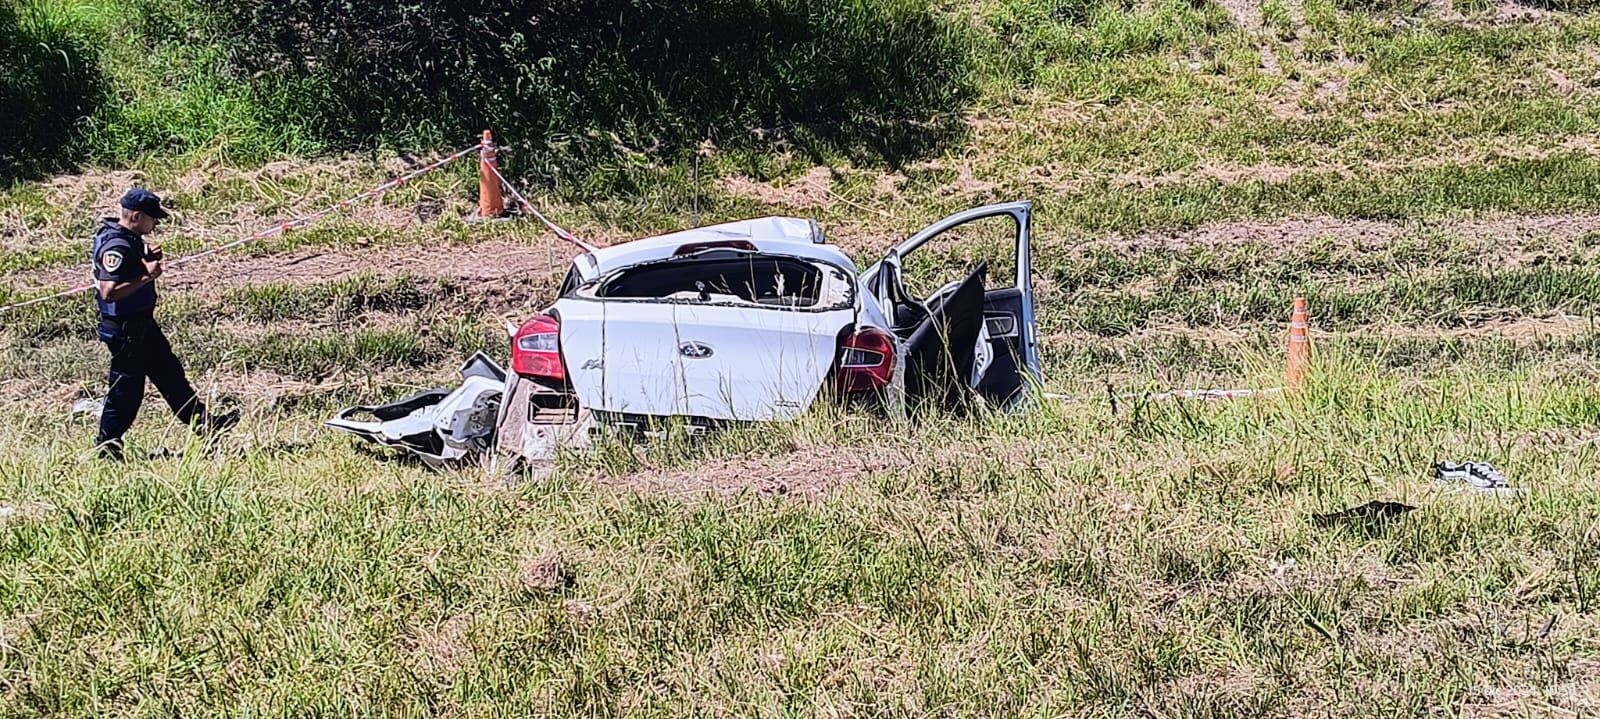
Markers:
125,270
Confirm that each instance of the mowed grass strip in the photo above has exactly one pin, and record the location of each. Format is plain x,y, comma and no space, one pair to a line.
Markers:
1455,299
1428,281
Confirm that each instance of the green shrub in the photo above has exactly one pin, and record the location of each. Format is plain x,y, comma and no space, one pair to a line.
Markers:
586,77
49,83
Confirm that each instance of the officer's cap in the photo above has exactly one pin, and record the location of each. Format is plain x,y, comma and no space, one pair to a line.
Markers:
144,201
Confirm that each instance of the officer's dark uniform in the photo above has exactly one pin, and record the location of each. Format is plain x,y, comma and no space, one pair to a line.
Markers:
138,348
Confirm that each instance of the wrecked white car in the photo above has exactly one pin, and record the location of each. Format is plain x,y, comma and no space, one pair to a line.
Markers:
747,321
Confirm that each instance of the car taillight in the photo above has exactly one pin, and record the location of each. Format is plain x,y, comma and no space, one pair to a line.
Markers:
866,361
536,349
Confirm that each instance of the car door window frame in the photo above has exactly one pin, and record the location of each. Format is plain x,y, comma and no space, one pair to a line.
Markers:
1021,213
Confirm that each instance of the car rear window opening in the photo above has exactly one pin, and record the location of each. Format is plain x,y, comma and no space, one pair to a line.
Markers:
765,280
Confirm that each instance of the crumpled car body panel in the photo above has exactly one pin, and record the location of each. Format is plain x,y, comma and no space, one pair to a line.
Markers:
438,426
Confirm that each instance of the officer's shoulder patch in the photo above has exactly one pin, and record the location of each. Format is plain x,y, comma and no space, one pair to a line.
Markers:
112,259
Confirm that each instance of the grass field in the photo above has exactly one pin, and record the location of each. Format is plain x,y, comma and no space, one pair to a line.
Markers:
1424,172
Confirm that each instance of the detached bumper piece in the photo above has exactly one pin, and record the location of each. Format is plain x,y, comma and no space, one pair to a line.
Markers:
439,426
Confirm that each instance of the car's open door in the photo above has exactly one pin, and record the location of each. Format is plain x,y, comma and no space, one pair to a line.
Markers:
1008,302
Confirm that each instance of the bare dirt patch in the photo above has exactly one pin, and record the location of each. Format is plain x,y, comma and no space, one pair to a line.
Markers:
513,268
76,202
1521,330
1225,174
1284,232
1245,13
1444,9
887,186
807,473
35,397
1060,178
546,573
211,200
1352,233
1578,695
446,648
23,512
1466,153
96,188
511,261
210,175
1561,227
1508,11
268,389
387,213
489,264
809,191
861,239
967,184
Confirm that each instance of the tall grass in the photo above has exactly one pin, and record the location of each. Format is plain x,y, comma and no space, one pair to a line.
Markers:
50,85
1077,558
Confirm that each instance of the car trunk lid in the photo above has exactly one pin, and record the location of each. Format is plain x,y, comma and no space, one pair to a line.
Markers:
723,362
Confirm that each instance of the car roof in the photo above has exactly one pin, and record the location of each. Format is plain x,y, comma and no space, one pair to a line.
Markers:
777,235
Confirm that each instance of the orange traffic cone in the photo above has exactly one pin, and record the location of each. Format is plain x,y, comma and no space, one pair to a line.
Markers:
490,202
1299,347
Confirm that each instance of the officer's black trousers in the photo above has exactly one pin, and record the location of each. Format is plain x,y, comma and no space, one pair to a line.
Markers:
139,350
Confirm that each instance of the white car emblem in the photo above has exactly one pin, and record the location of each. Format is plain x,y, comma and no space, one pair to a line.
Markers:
594,364
695,350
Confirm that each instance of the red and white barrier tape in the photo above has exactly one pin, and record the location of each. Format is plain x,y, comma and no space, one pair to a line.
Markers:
46,298
1203,394
553,227
324,212
1214,393
279,228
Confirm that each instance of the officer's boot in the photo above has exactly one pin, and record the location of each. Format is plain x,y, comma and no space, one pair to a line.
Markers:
110,450
210,424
